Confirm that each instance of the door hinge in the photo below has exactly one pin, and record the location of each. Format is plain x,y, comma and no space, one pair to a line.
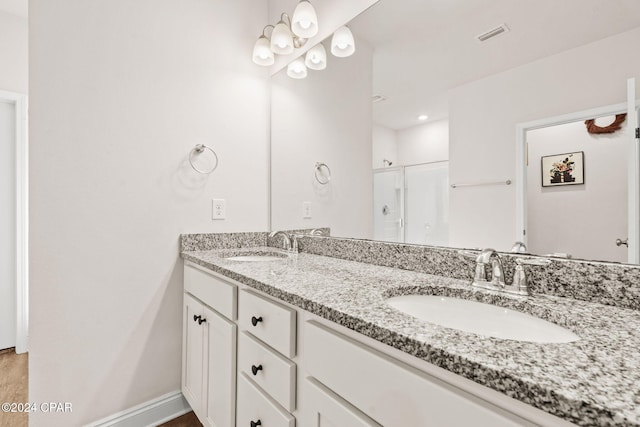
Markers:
637,133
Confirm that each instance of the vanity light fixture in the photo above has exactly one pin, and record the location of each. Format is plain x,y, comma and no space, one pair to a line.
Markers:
342,43
282,37
297,69
316,58
423,117
305,20
262,53
287,34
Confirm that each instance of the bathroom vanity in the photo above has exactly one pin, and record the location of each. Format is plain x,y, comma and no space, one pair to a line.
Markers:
277,339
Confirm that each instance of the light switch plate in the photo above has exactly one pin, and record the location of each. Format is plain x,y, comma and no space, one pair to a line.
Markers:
306,210
219,209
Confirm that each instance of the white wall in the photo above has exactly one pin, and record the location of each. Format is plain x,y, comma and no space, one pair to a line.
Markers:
324,118
483,118
425,143
13,53
583,220
385,147
121,92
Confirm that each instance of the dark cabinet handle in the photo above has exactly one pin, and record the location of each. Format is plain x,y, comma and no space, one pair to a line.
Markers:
196,318
201,321
254,321
255,369
256,423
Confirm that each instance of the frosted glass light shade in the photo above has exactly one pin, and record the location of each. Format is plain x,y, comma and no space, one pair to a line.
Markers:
316,58
297,69
262,53
305,20
342,43
282,39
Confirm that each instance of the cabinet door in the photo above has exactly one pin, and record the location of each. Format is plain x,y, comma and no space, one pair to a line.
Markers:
192,351
220,351
326,409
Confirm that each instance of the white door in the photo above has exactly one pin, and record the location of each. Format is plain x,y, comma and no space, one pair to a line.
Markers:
634,175
8,303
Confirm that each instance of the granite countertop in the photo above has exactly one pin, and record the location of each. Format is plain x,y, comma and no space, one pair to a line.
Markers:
592,381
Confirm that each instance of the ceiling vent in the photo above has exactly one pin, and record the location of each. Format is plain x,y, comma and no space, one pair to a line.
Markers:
493,32
378,98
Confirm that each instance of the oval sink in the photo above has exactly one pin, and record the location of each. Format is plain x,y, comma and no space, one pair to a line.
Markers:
256,258
482,319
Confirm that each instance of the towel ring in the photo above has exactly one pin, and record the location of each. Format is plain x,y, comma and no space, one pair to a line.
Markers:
318,170
199,149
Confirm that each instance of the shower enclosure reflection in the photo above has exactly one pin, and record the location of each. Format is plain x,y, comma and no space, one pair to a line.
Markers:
411,204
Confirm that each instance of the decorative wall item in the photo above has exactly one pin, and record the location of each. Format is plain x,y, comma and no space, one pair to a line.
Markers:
616,125
563,169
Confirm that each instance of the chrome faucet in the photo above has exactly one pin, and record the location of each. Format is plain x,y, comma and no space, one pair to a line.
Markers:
497,282
290,240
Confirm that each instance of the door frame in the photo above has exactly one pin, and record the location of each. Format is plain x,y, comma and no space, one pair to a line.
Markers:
521,154
20,101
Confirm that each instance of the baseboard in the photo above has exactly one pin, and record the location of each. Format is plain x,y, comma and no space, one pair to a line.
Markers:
148,414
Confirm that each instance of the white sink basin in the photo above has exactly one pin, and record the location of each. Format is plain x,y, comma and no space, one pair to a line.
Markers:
481,319
256,258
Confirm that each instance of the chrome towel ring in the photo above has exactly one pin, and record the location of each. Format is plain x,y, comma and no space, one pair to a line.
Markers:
319,175
199,149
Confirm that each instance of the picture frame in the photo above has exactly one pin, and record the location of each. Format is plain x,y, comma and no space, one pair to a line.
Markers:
563,169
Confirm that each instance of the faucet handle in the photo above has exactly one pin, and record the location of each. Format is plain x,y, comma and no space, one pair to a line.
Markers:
520,284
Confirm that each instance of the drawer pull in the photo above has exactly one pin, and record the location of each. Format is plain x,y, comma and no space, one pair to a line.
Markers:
255,369
254,321
196,318
256,423
201,321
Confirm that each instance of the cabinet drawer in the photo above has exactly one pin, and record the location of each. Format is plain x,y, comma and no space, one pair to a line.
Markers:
216,293
268,320
274,373
254,406
389,391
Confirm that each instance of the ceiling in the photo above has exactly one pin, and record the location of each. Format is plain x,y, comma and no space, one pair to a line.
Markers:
422,48
15,7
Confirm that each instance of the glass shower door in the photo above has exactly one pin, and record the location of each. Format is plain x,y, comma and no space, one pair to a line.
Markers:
427,204
388,209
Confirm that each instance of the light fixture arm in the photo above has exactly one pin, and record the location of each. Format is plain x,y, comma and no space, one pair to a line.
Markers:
265,29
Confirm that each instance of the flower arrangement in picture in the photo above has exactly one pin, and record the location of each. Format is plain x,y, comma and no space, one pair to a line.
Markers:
563,169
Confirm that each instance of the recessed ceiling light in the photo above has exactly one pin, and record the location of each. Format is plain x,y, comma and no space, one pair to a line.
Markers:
423,117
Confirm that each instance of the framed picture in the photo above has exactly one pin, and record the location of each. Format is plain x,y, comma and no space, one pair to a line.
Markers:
563,169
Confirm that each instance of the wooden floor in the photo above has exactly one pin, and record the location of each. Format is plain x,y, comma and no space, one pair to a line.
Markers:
14,385
187,420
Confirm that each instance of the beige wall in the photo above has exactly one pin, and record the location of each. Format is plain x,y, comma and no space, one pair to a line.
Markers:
121,92
483,119
13,53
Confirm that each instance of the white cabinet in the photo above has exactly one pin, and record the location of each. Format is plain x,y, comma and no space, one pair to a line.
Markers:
388,391
327,409
208,356
257,408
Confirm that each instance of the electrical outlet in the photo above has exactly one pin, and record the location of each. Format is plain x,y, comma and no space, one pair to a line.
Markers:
219,209
306,210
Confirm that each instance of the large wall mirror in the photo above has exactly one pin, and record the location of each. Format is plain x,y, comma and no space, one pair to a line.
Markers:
414,138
